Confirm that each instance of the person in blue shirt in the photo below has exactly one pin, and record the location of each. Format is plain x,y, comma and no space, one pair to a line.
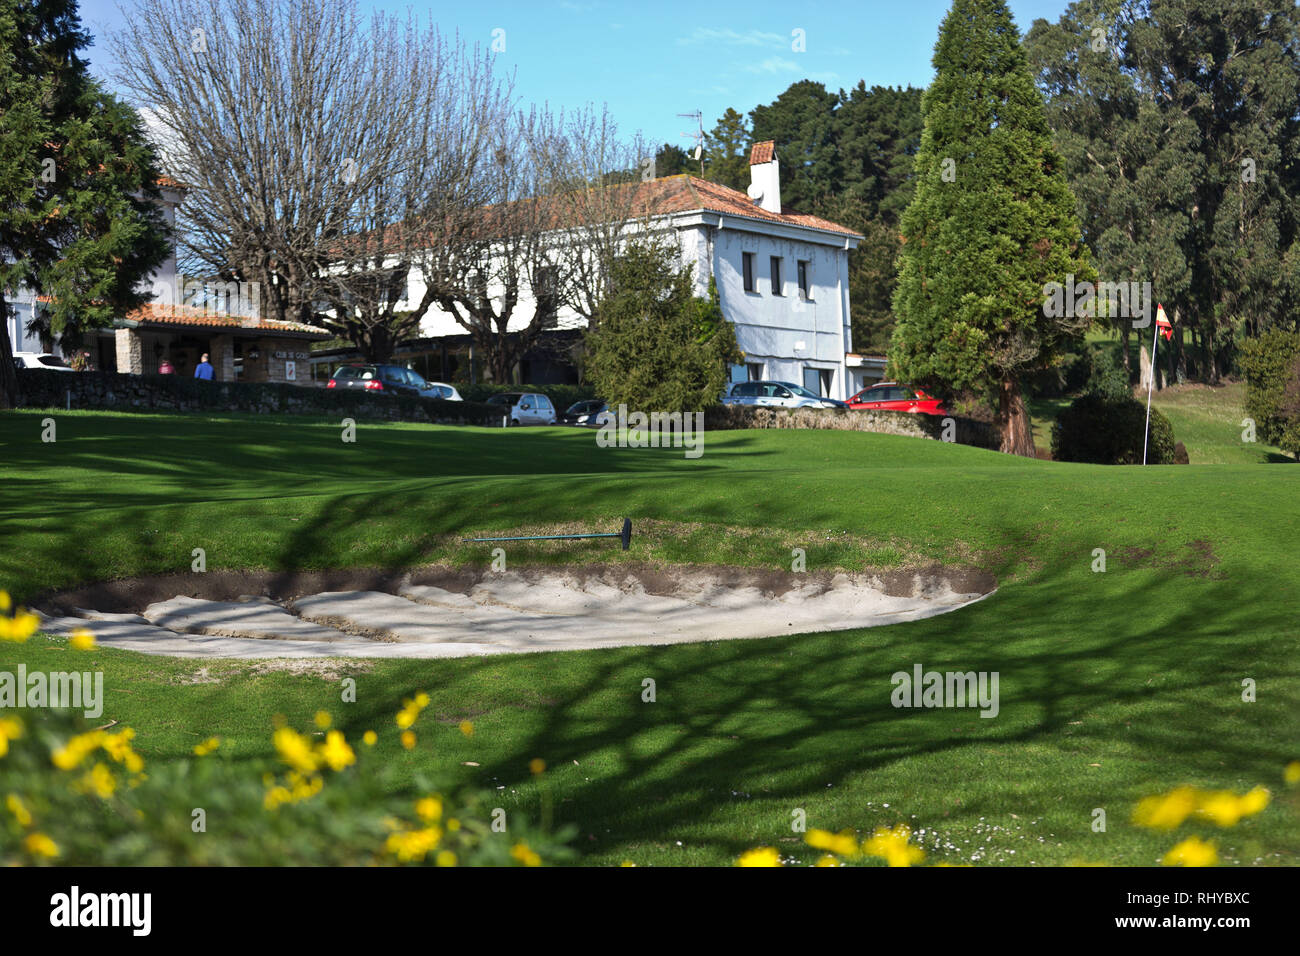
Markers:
204,369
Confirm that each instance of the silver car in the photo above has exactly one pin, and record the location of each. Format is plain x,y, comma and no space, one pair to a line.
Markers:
777,395
525,408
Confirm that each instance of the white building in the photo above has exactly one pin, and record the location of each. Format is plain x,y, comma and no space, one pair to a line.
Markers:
782,277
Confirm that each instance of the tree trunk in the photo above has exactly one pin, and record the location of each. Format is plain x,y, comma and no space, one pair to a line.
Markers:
8,371
1013,417
1123,337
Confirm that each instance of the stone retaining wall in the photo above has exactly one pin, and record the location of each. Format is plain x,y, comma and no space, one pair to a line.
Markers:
964,431
38,388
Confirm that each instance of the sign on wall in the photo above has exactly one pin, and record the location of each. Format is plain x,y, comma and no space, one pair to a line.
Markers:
290,371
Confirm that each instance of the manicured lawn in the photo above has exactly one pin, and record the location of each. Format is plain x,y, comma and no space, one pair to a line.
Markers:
1113,685
1206,419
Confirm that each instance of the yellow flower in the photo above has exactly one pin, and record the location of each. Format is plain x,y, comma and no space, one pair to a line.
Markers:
207,746
828,860
1191,852
446,858
38,844
336,751
627,863
11,728
760,856
1254,801
893,846
1168,811
70,755
15,806
1225,808
526,856
323,719
406,716
81,640
6,602
295,750
412,845
100,781
275,796
1292,772
408,739
467,728
429,808
19,627
369,738
421,700
537,765
844,844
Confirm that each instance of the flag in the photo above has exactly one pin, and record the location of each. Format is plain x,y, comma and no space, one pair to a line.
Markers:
1163,324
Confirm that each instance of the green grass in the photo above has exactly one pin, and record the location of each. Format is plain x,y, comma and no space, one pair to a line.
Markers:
1113,685
1207,419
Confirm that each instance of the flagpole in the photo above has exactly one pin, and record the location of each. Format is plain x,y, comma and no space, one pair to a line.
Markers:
1155,339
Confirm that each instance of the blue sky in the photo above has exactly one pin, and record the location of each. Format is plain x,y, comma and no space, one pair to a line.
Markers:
650,61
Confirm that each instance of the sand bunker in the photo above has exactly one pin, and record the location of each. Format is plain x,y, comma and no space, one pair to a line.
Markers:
454,613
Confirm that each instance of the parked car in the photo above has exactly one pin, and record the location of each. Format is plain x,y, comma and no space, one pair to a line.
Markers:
525,408
891,396
777,395
392,379
41,360
445,391
586,412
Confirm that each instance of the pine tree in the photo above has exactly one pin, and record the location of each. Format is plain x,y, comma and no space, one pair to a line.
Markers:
726,151
991,226
78,223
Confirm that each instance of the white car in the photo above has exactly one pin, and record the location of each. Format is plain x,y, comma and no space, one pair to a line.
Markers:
525,408
41,360
445,391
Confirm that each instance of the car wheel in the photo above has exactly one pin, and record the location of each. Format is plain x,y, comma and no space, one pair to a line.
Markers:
514,423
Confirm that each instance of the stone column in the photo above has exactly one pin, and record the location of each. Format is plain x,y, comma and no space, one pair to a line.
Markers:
223,358
130,351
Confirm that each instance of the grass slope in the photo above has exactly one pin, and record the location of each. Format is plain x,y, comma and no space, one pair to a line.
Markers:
1113,685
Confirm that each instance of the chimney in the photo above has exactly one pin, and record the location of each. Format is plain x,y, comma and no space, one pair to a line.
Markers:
765,176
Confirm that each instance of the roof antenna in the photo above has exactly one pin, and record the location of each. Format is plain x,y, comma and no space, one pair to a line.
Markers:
698,136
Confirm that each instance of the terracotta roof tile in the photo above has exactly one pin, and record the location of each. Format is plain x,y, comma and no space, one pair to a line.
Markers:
167,315
763,152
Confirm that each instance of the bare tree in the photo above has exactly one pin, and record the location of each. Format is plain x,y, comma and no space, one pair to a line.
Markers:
320,150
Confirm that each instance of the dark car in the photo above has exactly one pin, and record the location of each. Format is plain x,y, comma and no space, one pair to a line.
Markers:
584,412
390,379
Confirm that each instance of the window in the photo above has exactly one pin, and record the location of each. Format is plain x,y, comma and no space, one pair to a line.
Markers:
755,371
747,259
812,381
738,373
776,275
805,287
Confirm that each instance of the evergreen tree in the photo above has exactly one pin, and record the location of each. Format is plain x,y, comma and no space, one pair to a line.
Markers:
671,160
726,151
802,122
991,226
658,347
77,224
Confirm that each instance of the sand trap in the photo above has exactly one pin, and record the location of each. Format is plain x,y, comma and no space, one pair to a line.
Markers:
453,614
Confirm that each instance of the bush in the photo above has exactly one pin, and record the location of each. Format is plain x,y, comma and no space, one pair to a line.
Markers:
1107,376
1272,366
1105,432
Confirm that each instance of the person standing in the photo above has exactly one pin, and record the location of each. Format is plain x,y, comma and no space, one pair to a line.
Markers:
165,367
204,369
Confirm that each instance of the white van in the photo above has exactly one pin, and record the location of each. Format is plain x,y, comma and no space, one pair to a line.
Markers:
525,408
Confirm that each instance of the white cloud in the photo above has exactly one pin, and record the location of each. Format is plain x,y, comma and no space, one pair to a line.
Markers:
731,37
774,64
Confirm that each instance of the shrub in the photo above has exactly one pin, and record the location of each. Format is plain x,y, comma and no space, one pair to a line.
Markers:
1105,432
1107,376
1272,366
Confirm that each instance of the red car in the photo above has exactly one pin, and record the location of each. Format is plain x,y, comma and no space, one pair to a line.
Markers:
893,397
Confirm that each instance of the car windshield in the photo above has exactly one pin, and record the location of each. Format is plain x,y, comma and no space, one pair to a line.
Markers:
354,371
506,398
799,390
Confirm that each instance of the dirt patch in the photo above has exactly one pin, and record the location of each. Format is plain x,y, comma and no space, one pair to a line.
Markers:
1196,560
133,595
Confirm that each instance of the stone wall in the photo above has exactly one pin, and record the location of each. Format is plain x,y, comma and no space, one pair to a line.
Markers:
38,388
965,431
